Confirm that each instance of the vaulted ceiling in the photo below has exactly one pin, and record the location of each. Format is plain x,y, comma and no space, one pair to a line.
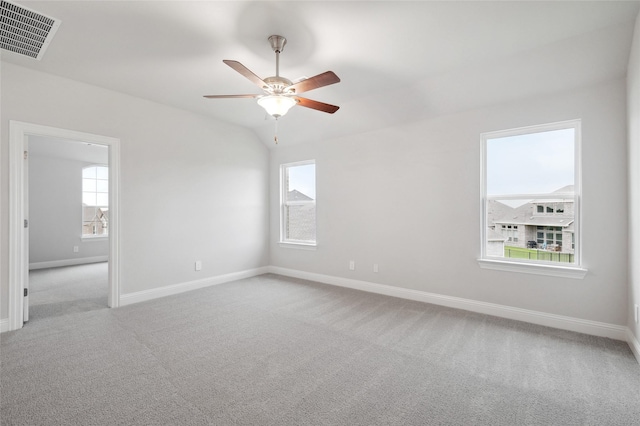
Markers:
398,61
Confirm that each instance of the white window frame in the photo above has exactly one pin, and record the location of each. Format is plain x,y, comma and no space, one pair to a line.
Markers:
93,236
573,270
284,241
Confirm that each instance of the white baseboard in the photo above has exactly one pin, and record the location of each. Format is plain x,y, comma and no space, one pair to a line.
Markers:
594,328
155,293
4,325
633,344
68,262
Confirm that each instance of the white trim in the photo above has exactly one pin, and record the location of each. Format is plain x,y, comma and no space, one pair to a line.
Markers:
18,133
67,262
634,345
4,325
155,293
300,246
533,268
94,238
594,328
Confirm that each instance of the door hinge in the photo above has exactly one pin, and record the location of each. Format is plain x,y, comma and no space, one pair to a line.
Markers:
26,223
26,292
26,155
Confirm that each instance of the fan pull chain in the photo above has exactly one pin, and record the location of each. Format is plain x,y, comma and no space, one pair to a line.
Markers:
275,136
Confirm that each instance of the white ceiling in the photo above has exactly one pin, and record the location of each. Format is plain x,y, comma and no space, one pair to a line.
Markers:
398,61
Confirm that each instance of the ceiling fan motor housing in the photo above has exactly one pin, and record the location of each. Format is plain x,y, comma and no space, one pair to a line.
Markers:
277,43
277,85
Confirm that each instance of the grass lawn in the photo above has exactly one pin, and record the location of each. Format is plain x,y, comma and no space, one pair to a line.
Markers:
534,254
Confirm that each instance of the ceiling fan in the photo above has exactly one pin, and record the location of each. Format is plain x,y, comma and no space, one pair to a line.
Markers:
281,94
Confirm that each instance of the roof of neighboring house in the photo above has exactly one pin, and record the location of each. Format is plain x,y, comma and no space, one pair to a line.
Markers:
97,213
568,190
295,195
496,209
556,220
524,215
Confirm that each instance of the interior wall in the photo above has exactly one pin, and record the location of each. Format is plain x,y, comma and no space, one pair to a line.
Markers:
408,199
192,188
55,212
633,114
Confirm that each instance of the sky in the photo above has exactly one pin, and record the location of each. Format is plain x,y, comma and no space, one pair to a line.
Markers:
535,163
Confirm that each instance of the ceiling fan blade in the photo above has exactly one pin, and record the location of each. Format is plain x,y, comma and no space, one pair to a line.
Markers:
230,96
320,80
320,106
247,73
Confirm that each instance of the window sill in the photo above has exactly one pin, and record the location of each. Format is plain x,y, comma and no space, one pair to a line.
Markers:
531,268
86,238
300,246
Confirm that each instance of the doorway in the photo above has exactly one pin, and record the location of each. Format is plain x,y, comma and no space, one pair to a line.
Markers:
19,250
68,209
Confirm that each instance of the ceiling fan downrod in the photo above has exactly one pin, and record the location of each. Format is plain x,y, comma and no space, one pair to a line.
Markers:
277,44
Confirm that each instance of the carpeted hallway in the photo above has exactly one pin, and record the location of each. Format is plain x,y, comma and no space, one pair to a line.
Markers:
277,351
68,289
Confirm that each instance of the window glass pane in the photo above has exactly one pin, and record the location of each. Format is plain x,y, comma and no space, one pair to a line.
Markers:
89,198
301,183
95,199
89,185
298,209
102,199
89,172
102,185
549,162
88,213
102,172
301,222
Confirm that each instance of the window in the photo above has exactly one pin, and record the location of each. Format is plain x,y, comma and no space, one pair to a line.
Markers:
298,203
530,179
95,201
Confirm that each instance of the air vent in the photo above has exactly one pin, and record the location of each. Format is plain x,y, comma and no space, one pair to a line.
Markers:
24,31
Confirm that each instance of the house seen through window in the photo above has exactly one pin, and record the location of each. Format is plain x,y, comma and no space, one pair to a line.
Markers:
298,203
531,194
95,201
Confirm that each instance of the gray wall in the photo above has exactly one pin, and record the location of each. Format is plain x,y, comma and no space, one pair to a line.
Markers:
55,211
192,188
633,84
408,199
405,197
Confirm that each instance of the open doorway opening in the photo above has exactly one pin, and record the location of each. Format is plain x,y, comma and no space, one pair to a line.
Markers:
68,205
21,134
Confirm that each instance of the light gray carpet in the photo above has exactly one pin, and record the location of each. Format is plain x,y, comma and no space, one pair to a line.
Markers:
277,351
68,289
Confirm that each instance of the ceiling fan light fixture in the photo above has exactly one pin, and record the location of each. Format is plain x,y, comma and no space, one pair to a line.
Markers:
276,105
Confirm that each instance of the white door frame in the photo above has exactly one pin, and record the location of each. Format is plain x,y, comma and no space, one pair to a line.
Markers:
18,133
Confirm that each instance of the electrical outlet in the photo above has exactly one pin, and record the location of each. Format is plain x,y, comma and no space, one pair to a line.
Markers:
352,265
76,249
375,268
198,265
